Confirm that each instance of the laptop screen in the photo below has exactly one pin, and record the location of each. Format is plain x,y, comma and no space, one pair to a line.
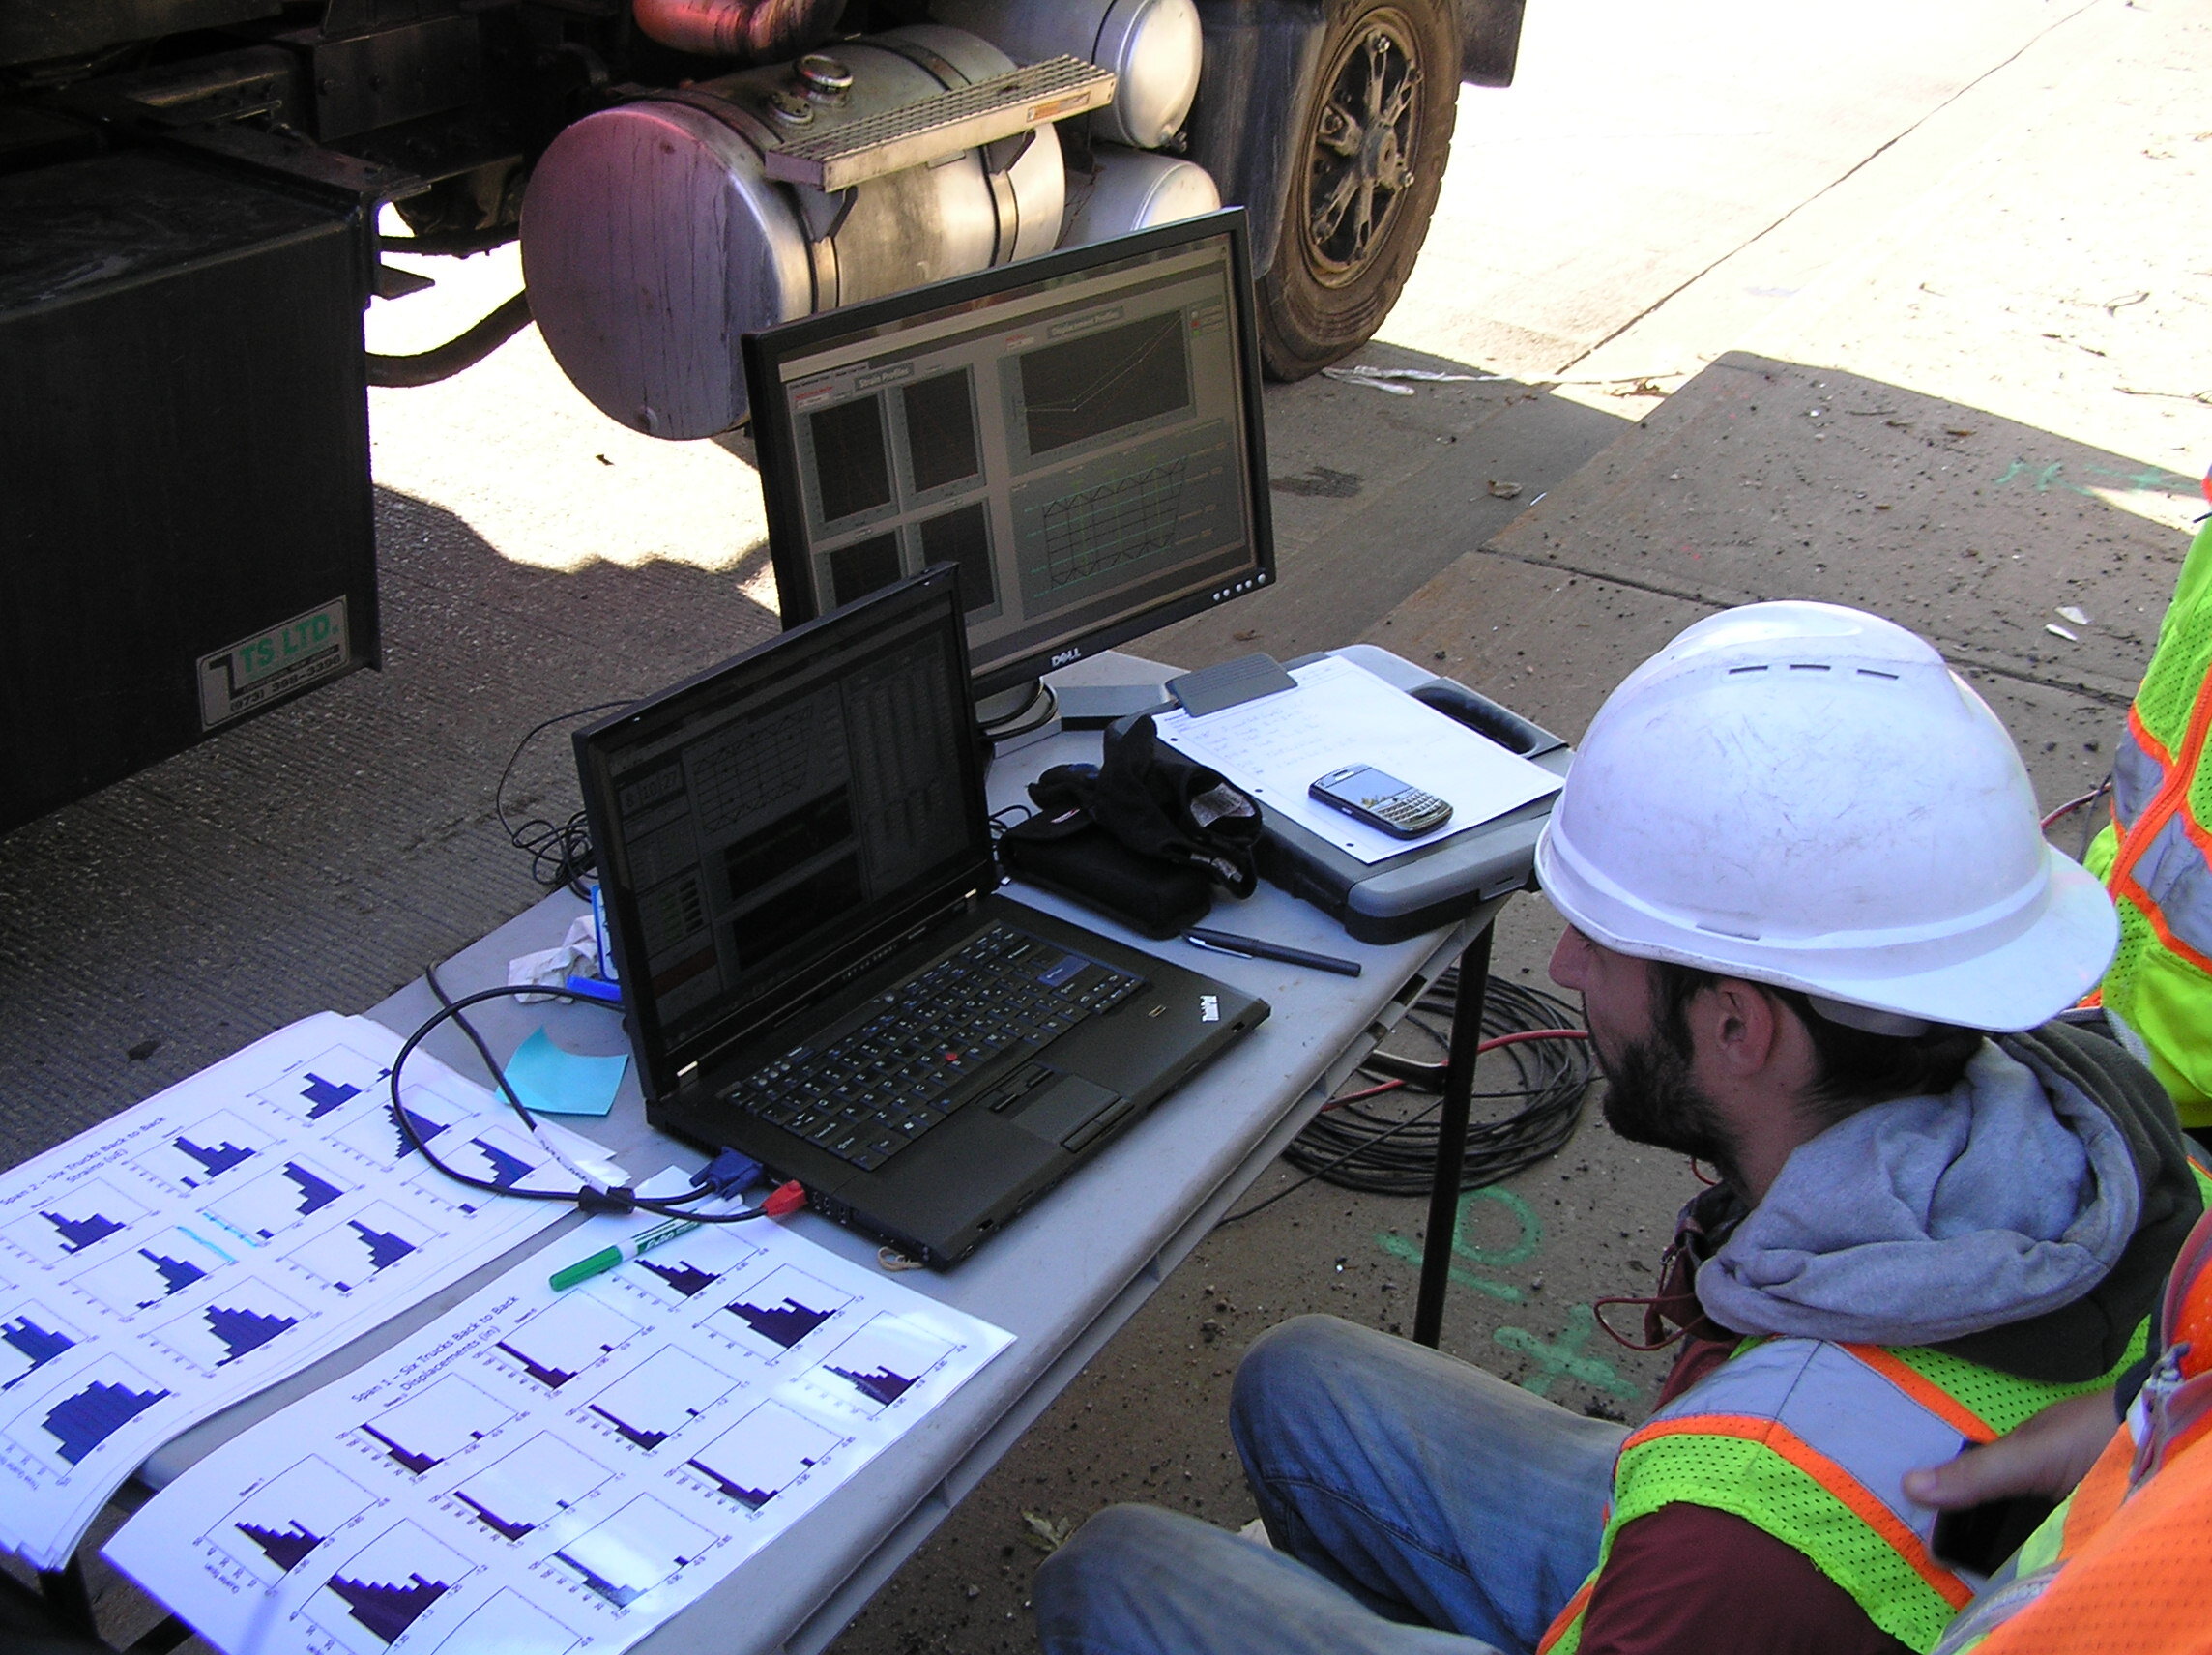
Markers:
765,828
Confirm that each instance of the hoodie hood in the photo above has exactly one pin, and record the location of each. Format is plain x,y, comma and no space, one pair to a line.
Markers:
2016,1220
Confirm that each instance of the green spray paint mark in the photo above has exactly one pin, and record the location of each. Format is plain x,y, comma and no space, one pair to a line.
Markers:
1524,1246
1565,1357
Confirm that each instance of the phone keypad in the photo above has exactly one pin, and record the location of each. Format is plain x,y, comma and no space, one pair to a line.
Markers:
1408,809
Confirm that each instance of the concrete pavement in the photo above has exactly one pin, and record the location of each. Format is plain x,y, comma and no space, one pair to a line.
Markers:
1937,217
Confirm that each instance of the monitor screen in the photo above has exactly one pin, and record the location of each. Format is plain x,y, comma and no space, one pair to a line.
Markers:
764,824
1077,434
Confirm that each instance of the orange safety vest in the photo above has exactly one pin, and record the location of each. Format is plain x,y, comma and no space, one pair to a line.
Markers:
2123,1565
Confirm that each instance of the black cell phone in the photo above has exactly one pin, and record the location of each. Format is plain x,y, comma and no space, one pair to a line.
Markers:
1399,809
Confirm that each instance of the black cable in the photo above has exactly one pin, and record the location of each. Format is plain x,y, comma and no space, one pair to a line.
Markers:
560,853
1355,1146
463,351
623,1199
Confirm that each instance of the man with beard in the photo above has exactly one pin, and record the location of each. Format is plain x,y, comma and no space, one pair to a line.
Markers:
1820,941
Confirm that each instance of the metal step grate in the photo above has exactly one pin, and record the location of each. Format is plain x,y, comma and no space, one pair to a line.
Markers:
965,118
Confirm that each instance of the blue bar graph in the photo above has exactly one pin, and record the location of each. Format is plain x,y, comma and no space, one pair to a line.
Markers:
84,1420
33,1345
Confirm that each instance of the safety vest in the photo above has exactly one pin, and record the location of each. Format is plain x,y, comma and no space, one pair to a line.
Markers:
2119,1565
2156,856
1810,1441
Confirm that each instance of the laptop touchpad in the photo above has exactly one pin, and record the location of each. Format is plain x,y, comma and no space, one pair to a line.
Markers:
1054,1110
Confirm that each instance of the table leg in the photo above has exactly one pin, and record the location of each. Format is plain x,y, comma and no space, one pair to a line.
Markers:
69,1600
1451,1140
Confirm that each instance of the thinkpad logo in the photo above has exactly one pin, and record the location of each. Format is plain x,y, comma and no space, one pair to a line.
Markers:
1208,1009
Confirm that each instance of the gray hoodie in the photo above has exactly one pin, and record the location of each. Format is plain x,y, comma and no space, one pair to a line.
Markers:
2025,1219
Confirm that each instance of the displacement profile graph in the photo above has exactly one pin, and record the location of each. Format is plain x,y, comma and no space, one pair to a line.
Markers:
235,1324
89,1409
273,1530
763,1454
775,1314
447,1417
386,1587
204,1152
146,1276
272,1203
643,1546
554,1345
75,1221
880,1363
687,1266
509,1623
373,1240
530,1487
657,1398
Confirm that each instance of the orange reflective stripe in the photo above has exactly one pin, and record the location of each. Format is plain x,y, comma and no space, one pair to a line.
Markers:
2170,801
1566,1617
2149,744
1926,1393
1847,1491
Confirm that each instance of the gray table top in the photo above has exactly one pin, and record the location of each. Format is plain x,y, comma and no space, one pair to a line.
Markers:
1063,1277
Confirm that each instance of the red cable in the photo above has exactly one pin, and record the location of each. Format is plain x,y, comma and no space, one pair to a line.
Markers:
1490,1045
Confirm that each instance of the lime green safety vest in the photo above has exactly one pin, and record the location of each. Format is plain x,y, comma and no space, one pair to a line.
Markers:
1810,1441
2156,857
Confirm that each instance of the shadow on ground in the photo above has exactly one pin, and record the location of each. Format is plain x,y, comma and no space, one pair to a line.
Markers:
318,857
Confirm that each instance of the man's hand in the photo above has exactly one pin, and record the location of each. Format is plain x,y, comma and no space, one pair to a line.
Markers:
2046,1456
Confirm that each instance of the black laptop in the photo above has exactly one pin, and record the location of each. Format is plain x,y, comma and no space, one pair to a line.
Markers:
796,854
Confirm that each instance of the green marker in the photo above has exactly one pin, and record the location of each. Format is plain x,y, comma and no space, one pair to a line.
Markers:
621,1253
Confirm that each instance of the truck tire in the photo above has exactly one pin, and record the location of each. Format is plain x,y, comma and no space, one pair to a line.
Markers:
1369,161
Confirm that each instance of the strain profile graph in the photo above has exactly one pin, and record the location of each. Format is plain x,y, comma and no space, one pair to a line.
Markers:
75,1221
29,1340
67,1425
200,1155
142,1278
357,1249
231,1327
274,1202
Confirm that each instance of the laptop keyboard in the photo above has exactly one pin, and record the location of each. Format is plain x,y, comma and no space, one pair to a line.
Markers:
885,1085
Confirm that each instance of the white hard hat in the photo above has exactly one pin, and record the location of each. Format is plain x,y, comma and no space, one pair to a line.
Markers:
1805,795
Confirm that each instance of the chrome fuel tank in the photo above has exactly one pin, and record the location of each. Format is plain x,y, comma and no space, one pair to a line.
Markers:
653,236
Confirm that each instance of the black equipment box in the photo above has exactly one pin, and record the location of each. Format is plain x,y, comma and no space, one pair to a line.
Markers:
184,449
1431,885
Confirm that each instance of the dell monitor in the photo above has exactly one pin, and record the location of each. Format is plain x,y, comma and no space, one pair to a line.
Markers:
1079,434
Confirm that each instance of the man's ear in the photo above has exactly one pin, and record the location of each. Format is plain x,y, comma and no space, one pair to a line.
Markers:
1742,1027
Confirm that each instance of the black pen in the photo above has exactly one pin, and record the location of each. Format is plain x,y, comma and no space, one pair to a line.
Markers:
1254,948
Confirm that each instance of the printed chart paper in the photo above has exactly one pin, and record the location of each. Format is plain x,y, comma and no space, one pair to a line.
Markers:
1278,745
542,1472
220,1236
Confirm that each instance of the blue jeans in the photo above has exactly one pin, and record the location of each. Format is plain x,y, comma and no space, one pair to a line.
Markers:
1419,1507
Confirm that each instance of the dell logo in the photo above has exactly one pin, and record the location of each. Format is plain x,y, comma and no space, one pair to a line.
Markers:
1065,656
1208,1009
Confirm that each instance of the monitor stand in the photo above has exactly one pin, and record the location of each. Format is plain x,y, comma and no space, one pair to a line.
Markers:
1110,686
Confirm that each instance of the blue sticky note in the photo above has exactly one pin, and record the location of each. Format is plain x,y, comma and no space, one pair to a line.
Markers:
552,1082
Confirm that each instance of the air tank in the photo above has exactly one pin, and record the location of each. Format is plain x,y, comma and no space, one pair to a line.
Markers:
1152,47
